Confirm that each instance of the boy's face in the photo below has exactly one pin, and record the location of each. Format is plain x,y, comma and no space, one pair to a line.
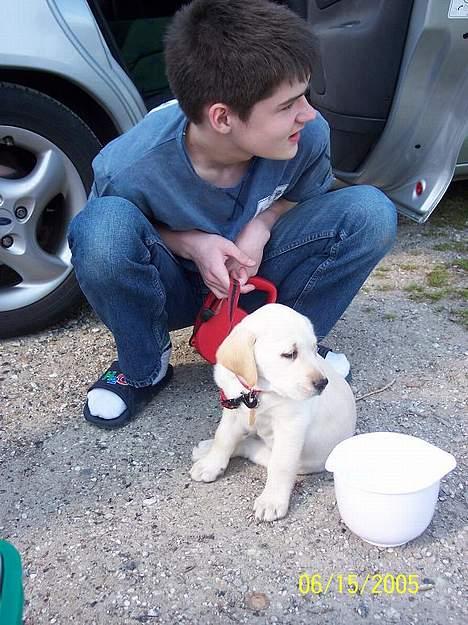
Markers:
274,125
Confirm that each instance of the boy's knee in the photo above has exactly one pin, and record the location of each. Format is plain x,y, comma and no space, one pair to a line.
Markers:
384,216
103,232
377,215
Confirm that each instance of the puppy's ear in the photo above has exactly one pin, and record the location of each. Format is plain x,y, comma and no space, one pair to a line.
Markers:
236,353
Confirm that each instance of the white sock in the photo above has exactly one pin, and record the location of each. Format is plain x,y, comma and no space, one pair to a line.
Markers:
339,362
107,405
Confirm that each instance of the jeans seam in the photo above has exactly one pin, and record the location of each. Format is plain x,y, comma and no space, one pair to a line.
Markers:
312,281
160,295
327,234
155,241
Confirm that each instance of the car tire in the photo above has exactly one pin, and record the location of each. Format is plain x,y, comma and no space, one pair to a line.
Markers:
46,152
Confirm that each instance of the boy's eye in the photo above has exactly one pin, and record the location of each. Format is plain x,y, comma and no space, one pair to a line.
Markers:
290,355
288,106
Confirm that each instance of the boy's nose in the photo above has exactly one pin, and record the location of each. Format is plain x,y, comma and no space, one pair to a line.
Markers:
307,114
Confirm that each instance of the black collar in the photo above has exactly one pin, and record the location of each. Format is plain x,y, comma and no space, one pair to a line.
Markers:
250,399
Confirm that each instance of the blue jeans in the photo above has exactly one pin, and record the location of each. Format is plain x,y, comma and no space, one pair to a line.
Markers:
319,255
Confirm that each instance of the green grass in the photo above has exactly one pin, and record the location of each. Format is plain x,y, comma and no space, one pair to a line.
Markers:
415,291
424,295
437,287
442,284
453,209
438,277
451,246
462,316
461,263
413,287
382,269
409,267
461,294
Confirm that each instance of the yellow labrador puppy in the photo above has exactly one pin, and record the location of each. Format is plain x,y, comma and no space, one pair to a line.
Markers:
285,408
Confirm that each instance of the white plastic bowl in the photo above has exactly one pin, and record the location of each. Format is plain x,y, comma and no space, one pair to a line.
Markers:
386,485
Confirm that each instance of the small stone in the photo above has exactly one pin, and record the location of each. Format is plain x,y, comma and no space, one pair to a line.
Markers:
256,601
426,584
362,610
129,565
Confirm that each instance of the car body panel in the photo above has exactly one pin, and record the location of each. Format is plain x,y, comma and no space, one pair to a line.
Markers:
73,48
426,132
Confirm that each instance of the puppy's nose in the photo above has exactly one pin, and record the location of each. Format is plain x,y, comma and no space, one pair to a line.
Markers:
320,384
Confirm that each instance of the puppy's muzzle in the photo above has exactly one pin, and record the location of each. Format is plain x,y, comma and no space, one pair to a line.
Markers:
320,384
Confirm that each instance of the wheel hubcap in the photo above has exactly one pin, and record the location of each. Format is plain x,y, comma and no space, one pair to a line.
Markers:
40,191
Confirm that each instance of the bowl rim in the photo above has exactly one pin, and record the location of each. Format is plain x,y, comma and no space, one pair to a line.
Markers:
344,461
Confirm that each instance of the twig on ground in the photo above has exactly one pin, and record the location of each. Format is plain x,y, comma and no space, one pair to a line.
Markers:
378,390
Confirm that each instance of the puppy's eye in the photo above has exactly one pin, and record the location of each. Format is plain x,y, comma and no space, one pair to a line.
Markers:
290,355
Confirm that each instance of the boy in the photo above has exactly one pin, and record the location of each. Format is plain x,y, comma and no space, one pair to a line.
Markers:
232,179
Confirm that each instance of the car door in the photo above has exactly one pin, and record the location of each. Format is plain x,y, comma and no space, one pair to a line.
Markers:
392,81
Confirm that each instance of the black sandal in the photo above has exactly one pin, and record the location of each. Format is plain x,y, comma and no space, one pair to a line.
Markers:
135,399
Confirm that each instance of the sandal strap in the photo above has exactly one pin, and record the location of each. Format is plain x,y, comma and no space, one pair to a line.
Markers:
323,350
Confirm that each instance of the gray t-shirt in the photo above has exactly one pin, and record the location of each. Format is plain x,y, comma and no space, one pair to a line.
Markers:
149,166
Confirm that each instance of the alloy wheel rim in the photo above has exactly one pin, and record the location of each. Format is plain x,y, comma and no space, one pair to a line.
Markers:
40,192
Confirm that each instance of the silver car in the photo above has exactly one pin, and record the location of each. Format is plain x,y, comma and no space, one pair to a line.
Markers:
391,78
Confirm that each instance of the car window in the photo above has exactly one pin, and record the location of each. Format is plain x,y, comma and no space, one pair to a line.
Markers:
135,34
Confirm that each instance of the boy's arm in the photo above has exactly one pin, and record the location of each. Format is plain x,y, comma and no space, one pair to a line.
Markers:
276,210
253,238
217,257
210,253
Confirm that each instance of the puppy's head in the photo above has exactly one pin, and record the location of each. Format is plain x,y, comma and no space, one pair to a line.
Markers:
274,349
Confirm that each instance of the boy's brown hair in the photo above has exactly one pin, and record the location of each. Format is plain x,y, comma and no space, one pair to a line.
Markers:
236,52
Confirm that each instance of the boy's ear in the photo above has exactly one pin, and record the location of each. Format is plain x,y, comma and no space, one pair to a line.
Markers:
219,117
236,353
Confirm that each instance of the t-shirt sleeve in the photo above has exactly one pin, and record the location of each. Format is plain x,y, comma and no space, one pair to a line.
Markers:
106,185
314,173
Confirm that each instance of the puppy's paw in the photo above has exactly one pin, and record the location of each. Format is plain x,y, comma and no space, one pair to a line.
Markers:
270,507
207,469
201,449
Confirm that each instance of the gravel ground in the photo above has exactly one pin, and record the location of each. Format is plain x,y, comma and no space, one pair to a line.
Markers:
112,531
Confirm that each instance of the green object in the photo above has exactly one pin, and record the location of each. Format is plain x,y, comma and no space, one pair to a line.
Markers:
11,585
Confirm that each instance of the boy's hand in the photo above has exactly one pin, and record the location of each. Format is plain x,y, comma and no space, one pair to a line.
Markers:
210,253
251,240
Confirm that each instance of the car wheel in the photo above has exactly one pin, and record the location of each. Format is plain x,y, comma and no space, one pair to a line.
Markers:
45,175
